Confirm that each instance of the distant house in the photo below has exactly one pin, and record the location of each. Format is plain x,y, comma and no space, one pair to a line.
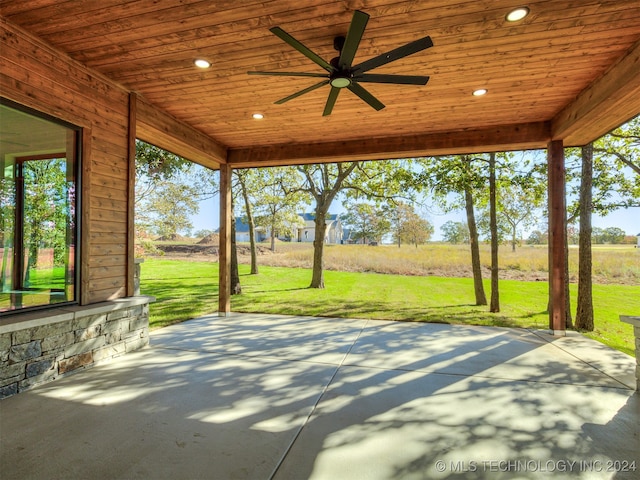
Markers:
333,232
242,231
348,236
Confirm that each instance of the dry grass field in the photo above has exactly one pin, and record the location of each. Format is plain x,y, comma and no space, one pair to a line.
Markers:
612,264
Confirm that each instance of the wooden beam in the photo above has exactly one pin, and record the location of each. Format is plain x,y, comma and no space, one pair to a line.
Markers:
85,219
224,275
557,234
503,138
131,192
162,130
607,103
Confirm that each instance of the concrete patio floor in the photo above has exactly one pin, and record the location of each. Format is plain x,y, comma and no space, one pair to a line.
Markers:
269,396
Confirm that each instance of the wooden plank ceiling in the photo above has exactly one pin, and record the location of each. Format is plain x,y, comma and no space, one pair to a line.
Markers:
569,70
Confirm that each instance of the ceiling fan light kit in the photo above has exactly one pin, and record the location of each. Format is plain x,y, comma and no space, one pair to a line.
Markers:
342,74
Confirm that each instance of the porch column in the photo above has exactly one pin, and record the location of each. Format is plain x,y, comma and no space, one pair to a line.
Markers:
131,196
224,293
557,235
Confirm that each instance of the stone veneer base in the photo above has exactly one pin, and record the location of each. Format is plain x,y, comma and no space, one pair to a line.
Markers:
635,321
38,347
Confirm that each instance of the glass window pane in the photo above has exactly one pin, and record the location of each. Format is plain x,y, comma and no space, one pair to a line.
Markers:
38,210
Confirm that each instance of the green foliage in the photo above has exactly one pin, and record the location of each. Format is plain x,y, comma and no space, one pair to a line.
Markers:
367,222
607,235
276,198
521,186
450,174
203,233
166,211
537,238
46,208
7,207
378,182
407,226
144,245
168,190
158,164
455,232
616,171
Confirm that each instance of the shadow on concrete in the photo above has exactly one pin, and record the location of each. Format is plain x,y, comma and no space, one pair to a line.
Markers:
267,396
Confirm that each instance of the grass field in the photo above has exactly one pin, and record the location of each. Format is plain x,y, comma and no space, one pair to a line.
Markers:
611,263
187,288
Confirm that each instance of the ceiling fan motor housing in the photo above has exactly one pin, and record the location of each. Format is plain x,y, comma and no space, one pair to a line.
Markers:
339,78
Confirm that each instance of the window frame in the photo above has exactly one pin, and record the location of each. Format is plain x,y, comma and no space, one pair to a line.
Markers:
77,228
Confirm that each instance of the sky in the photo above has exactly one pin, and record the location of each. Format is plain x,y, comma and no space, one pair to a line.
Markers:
627,219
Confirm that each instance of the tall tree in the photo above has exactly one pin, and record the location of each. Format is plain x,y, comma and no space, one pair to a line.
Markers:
46,207
408,226
153,166
481,298
163,178
461,175
518,206
454,232
323,182
615,183
278,200
236,288
584,315
166,209
494,305
614,235
377,181
244,179
367,222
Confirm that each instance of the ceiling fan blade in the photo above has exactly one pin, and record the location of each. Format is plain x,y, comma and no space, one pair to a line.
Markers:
366,96
277,31
398,53
397,79
302,92
290,74
331,101
351,42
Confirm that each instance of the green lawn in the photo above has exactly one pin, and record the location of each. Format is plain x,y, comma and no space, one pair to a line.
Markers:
188,289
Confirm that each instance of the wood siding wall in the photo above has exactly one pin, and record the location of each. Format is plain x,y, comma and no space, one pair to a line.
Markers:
37,76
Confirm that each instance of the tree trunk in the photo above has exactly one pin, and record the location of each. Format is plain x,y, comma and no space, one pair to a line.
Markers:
494,306
481,298
317,279
252,230
584,314
236,289
514,239
568,321
272,236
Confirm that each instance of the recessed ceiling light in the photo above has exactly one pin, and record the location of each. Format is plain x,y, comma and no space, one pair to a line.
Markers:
202,63
258,116
479,92
517,14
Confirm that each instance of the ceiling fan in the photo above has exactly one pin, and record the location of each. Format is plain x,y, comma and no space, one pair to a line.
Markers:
342,74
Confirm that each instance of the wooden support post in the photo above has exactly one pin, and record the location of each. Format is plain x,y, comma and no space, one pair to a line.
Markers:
224,295
85,219
131,193
557,234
